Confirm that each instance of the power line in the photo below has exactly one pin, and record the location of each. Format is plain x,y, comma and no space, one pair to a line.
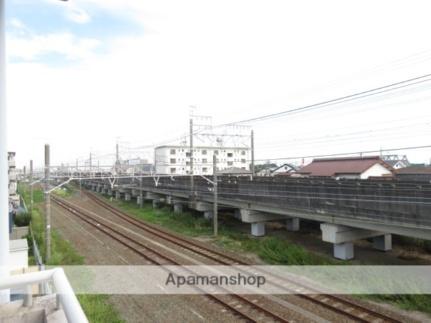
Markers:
358,95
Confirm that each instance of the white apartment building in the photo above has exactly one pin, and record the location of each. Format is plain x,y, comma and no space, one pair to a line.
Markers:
176,159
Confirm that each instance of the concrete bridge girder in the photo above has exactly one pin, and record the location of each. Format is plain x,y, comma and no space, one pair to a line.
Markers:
153,196
251,216
343,236
201,206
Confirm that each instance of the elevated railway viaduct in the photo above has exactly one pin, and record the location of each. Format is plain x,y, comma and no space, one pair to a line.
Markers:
347,210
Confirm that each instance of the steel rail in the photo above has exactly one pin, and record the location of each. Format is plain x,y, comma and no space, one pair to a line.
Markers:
183,242
84,216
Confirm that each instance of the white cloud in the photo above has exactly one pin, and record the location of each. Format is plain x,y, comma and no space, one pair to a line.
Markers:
16,23
78,15
232,59
33,47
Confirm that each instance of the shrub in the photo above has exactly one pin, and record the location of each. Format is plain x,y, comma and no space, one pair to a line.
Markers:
22,220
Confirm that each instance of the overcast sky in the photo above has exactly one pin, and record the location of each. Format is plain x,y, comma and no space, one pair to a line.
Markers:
86,73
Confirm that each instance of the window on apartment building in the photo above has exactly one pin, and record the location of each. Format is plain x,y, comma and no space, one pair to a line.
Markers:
243,161
230,154
173,151
187,154
173,161
204,169
173,170
204,160
215,152
243,152
229,163
204,152
187,163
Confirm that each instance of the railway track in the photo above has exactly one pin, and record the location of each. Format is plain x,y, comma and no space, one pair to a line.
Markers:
334,303
251,310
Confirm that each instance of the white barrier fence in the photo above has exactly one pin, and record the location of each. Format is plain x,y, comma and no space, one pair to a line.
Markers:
65,294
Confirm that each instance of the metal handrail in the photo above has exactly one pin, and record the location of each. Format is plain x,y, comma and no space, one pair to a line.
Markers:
65,295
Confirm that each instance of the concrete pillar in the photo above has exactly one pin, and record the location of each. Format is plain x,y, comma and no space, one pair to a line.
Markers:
117,195
127,196
156,204
138,199
383,242
208,215
343,250
292,224
258,229
178,208
343,236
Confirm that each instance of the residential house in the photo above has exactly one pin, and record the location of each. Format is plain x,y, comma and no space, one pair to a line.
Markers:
347,167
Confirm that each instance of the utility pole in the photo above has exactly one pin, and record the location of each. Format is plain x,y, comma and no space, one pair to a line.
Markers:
4,191
117,158
252,153
141,195
192,182
47,207
215,211
90,163
31,186
78,171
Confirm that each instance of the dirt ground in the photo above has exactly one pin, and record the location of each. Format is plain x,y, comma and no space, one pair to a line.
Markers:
100,250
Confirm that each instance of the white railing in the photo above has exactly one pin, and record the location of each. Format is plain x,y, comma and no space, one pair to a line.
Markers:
65,295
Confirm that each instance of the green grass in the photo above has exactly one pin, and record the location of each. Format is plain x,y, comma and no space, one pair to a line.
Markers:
272,250
24,191
96,307
419,302
64,192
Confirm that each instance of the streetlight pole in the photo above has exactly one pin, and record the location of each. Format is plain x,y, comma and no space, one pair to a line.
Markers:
215,204
192,182
47,206
31,185
4,187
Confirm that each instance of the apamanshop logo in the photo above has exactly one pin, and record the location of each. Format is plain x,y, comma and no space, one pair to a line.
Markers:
216,280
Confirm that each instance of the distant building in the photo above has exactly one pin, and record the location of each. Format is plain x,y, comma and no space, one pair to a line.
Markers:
396,161
414,173
350,167
176,159
135,166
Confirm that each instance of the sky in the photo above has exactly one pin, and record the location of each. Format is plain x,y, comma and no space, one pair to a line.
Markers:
83,75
